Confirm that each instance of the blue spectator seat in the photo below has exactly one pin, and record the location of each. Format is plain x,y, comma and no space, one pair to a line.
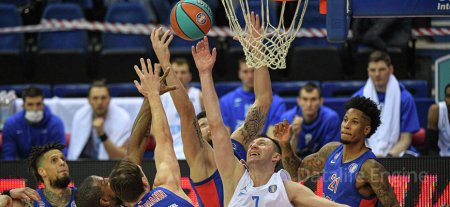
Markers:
62,56
85,4
340,88
290,102
290,88
123,90
314,63
223,88
15,2
418,88
162,9
71,90
337,104
11,47
18,88
422,105
121,51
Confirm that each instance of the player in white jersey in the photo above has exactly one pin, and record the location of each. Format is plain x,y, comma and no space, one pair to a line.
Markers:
263,153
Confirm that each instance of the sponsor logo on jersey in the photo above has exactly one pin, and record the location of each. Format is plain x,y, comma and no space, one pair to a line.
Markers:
335,158
272,188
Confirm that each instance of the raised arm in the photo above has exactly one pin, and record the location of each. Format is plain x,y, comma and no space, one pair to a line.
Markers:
167,168
376,176
291,162
199,154
229,167
256,116
138,139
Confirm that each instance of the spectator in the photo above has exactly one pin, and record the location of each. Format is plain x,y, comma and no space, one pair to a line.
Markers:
314,125
100,129
235,104
399,118
180,67
438,132
33,126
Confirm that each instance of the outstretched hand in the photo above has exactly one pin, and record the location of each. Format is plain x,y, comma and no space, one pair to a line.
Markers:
282,131
204,60
161,46
151,82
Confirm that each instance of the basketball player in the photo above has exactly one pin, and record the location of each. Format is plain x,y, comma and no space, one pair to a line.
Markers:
204,175
255,184
95,191
49,166
127,179
351,174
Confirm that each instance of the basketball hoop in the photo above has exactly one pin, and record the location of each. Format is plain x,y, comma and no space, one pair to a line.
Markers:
276,39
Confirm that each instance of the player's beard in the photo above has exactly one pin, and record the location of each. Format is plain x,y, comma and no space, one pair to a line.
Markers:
345,141
61,182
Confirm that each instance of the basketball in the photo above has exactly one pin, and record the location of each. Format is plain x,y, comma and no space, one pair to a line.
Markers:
191,19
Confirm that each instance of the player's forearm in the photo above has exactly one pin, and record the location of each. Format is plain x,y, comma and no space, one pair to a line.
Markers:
139,132
211,101
160,126
402,145
180,98
262,87
290,161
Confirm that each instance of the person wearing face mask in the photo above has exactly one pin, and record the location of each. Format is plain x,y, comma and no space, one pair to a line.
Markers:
36,125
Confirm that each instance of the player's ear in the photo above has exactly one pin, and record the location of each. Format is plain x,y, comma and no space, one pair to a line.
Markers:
145,182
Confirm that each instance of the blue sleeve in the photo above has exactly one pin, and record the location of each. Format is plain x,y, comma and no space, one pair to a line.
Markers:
58,134
409,120
239,150
9,145
225,113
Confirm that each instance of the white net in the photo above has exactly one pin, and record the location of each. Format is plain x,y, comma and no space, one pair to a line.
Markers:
275,39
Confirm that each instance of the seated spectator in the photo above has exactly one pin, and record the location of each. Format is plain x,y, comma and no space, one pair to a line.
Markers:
314,125
235,104
399,118
180,67
438,132
100,129
35,125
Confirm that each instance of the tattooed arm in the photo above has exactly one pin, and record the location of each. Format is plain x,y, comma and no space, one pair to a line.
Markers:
199,155
373,173
283,132
313,164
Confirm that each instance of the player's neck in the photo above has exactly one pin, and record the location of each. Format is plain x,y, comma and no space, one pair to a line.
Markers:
352,151
260,174
310,119
246,88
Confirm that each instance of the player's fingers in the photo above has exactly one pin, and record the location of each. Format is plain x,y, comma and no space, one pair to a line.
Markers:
169,40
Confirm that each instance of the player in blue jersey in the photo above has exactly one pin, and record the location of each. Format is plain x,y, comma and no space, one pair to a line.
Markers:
127,179
351,174
314,124
195,132
398,110
49,166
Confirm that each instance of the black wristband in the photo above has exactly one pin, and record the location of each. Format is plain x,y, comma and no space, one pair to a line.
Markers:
7,192
103,137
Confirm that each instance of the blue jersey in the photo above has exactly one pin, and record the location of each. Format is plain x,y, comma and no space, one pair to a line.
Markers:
409,120
235,105
313,136
210,191
45,203
161,197
339,179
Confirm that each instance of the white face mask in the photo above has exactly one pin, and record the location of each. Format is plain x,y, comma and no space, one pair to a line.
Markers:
34,116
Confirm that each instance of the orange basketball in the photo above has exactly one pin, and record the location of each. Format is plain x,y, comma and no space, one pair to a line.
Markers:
191,19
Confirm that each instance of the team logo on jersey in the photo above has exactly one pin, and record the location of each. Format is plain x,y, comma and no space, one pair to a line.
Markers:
353,168
237,102
272,188
201,18
308,138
